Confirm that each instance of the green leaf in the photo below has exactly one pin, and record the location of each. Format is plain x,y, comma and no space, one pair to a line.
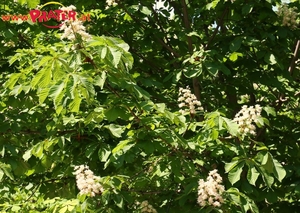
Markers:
56,92
38,150
1,174
16,90
252,175
141,93
268,164
247,8
235,173
75,103
231,165
6,168
104,152
100,80
13,78
231,126
43,94
214,66
211,67
33,3
64,209
122,145
119,201
160,107
270,59
212,4
235,44
267,178
279,171
115,130
234,56
90,149
44,60
145,10
113,113
269,110
15,208
42,78
116,56
27,155
193,71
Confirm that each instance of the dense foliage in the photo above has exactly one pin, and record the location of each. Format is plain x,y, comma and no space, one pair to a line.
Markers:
189,107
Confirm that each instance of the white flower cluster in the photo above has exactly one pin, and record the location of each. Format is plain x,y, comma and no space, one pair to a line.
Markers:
188,101
8,44
146,207
210,191
111,3
246,117
289,16
72,28
87,182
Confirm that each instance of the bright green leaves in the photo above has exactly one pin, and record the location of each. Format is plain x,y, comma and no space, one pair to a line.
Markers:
13,78
115,130
234,56
30,3
234,169
252,175
212,5
263,165
269,166
61,78
217,121
5,169
56,92
113,51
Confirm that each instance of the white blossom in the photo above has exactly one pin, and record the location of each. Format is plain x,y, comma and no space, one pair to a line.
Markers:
288,15
188,101
210,191
8,43
246,118
72,28
111,3
146,207
87,182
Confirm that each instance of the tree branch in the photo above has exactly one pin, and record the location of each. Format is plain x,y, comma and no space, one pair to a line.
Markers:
196,83
219,24
294,58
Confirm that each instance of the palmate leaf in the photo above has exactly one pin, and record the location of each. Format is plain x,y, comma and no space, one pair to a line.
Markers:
124,146
115,130
116,56
13,78
235,174
57,92
114,51
43,94
252,175
42,78
45,60
86,86
16,90
75,103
